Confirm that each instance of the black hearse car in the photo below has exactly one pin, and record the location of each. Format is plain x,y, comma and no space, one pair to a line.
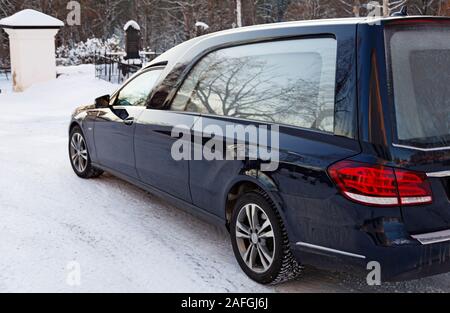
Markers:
362,108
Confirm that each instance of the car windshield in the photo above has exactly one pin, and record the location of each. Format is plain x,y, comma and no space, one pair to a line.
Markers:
419,64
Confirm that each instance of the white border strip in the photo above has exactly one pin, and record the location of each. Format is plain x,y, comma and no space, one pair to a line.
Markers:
428,239
373,200
421,149
307,245
439,174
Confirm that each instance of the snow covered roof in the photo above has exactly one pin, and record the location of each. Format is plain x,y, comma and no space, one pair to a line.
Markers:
132,24
30,19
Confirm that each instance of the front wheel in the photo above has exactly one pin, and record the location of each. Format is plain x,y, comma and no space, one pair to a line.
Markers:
260,241
79,155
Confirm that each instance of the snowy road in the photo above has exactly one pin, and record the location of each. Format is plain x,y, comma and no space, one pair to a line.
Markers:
124,239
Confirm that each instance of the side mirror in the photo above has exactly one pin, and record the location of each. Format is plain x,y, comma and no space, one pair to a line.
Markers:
102,102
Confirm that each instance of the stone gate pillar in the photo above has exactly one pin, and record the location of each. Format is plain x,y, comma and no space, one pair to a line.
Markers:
32,44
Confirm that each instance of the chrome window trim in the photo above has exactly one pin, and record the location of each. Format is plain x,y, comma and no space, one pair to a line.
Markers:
421,149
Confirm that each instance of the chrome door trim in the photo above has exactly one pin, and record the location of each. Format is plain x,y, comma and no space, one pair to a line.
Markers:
353,255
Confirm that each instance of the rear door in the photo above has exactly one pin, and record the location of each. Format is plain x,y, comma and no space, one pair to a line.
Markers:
419,71
155,162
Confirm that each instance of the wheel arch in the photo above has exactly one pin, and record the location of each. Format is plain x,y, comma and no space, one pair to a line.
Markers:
74,124
249,181
88,136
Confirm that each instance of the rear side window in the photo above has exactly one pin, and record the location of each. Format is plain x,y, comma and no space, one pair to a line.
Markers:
419,63
286,82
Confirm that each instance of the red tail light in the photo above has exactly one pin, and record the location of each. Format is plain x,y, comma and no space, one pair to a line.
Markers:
413,188
379,185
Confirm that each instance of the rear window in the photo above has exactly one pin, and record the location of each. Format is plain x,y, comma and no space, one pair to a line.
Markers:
419,64
288,82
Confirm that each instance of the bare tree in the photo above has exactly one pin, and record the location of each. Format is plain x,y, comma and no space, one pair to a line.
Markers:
166,23
390,6
424,7
239,13
351,7
444,8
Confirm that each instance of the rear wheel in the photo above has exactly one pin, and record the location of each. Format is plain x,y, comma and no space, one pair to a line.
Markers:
79,155
260,241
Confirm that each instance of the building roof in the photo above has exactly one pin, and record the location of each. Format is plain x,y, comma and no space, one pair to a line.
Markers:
30,19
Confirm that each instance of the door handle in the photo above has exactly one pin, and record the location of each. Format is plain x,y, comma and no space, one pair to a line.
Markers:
129,121
168,133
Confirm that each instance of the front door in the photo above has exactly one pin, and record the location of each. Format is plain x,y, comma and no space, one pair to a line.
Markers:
115,126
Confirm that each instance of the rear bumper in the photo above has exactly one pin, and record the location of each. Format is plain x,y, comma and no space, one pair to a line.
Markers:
413,261
399,262
336,234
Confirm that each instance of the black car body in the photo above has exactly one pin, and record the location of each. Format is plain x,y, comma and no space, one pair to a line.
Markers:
364,172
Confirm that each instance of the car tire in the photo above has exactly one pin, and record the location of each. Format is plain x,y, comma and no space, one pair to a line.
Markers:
79,155
261,244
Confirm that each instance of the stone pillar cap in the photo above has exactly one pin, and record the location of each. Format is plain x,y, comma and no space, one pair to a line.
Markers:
31,19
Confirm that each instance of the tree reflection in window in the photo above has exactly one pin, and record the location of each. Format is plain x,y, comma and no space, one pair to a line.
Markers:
136,92
287,82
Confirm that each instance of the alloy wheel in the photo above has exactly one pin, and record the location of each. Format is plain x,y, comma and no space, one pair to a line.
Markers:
78,152
255,238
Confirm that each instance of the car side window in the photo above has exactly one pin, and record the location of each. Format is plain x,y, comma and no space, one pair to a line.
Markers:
136,92
288,82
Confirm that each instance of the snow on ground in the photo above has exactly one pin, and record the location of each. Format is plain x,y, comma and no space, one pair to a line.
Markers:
124,239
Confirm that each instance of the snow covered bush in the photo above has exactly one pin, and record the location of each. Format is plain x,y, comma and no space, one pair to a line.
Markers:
83,52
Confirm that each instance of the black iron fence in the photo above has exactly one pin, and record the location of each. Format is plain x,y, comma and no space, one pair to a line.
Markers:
5,71
114,68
